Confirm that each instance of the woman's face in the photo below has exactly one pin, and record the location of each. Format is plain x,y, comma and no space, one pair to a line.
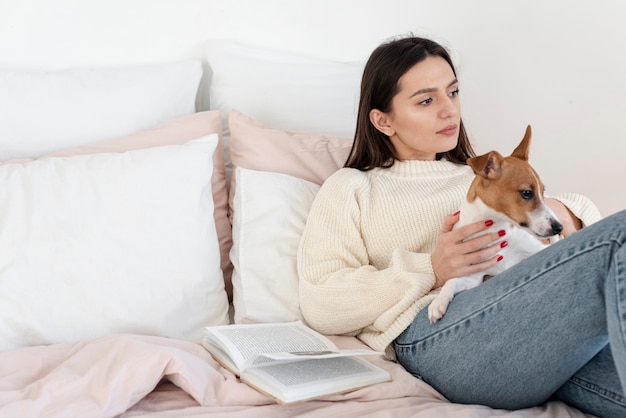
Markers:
426,113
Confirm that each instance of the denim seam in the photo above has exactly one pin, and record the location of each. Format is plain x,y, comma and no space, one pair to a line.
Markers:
620,311
528,280
600,391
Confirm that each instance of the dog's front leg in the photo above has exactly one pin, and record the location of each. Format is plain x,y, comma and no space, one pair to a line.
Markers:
439,305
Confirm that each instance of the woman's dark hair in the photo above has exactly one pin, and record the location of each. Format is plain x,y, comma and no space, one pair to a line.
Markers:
379,84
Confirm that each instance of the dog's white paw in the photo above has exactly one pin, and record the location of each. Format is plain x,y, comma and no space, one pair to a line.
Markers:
437,308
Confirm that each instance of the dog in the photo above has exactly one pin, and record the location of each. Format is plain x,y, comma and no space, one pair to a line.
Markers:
508,191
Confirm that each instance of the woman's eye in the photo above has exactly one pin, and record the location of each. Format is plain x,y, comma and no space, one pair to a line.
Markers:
454,93
426,102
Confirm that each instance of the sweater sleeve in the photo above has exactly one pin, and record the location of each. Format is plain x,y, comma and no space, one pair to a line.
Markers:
341,292
581,206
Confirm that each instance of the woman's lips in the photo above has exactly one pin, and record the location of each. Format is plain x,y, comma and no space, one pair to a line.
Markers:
448,130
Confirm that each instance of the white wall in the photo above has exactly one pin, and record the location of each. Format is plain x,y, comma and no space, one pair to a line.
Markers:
558,65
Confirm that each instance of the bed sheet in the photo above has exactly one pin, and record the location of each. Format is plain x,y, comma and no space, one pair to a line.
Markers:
144,376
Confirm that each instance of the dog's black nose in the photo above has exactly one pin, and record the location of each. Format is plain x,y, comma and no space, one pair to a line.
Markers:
556,227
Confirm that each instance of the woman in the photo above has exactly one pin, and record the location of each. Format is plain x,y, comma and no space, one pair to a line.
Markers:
379,242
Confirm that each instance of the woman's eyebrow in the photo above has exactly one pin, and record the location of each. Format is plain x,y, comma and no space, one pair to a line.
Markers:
432,89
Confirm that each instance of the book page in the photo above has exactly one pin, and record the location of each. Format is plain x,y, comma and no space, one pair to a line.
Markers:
302,355
307,371
246,342
312,378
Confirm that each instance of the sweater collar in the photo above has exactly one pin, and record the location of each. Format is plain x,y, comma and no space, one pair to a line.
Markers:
421,168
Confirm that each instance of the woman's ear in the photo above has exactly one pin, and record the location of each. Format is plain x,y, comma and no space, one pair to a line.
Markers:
380,120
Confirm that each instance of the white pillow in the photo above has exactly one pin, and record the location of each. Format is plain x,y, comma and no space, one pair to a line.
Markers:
45,111
110,243
287,91
269,217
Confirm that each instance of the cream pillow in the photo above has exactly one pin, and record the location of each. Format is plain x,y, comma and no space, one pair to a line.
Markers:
281,173
46,111
110,243
270,213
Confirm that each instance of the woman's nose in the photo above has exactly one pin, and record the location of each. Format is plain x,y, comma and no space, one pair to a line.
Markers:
449,108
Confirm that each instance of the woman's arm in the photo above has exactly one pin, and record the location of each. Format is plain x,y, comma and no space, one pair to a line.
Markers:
575,211
569,221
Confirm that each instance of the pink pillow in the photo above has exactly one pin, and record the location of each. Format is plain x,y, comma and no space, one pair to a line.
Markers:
256,146
174,132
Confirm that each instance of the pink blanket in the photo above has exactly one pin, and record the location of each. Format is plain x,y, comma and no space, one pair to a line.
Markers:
140,376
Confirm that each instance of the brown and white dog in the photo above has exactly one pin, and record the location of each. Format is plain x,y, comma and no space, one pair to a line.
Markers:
508,191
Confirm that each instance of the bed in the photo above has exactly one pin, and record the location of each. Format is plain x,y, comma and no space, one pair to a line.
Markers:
131,220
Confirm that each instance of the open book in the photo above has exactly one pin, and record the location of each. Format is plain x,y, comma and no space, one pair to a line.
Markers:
289,361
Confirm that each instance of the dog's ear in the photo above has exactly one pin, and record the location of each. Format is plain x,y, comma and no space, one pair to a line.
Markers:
487,165
522,149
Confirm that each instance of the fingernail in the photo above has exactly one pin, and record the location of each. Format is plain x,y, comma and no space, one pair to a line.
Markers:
501,233
488,223
500,258
503,244
456,213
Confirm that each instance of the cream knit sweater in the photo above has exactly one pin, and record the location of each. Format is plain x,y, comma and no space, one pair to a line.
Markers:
364,257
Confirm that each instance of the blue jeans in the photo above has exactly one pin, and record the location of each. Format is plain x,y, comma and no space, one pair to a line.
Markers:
551,327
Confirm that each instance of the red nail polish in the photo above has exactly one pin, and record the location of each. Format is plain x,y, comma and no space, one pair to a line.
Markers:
503,244
456,213
488,223
501,233
500,258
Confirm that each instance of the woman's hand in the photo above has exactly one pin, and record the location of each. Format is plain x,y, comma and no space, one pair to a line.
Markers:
570,222
454,256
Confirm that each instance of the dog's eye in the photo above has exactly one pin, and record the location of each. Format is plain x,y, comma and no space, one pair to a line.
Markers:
527,194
